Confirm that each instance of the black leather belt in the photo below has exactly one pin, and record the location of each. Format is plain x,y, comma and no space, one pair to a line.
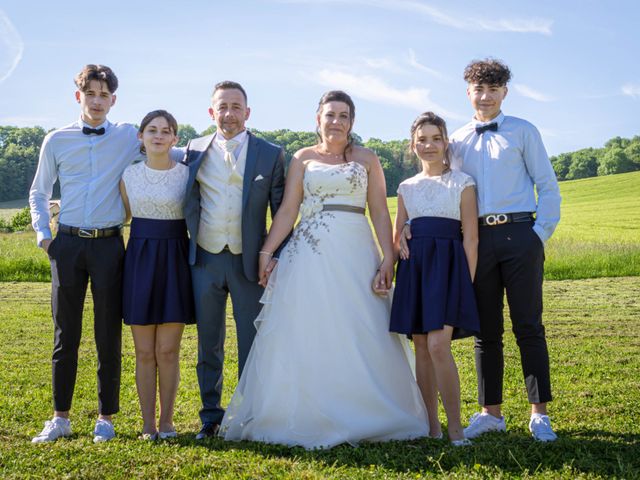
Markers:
494,219
91,232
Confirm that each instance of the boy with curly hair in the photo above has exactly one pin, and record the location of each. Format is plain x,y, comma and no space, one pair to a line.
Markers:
506,157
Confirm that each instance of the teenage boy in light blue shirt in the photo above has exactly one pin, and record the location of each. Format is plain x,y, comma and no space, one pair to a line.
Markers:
506,157
88,158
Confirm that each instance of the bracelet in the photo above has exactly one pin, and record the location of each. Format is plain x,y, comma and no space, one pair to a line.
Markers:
264,252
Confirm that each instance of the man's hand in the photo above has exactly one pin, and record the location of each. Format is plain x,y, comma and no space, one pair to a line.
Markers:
44,244
266,264
404,245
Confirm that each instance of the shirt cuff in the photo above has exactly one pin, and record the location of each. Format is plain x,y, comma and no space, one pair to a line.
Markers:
540,232
43,235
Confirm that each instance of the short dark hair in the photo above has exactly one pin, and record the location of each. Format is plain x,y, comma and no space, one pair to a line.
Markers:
489,71
228,85
101,73
430,118
173,124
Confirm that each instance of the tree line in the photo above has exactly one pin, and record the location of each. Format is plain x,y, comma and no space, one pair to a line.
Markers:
619,155
20,147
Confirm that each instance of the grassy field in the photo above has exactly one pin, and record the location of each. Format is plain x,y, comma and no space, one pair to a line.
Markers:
593,328
598,236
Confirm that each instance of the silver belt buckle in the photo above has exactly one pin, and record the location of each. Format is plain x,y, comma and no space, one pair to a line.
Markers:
88,232
496,219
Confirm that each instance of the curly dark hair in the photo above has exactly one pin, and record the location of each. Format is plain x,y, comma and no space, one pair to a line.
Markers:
489,71
101,73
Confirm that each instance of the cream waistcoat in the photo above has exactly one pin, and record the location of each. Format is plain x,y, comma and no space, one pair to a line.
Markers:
221,201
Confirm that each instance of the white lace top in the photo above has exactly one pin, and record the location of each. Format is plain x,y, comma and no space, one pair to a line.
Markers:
434,196
157,194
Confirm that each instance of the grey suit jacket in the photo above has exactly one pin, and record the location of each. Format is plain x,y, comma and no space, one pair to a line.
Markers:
264,160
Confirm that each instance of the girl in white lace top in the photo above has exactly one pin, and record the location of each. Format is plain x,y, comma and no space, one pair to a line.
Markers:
434,299
157,296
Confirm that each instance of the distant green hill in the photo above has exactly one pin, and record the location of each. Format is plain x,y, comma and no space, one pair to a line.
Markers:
601,209
599,230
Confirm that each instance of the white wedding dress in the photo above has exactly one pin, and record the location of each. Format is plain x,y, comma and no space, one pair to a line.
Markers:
324,369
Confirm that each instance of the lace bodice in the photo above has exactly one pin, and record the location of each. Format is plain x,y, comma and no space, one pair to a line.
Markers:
342,184
157,194
434,196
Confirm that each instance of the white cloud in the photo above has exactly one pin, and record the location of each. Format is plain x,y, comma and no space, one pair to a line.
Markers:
529,92
631,90
11,47
413,61
518,25
374,89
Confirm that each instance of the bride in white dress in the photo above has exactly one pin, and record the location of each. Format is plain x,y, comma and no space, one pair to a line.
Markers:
324,369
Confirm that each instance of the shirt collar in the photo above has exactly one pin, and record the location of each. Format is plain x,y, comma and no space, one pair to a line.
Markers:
240,138
477,123
104,124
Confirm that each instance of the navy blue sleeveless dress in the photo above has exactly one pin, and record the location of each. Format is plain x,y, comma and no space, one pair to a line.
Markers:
433,286
157,278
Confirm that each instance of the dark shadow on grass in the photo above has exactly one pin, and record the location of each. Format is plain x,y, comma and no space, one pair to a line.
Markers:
595,452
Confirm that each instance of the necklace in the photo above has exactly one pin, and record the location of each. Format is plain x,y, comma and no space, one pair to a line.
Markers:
324,153
158,178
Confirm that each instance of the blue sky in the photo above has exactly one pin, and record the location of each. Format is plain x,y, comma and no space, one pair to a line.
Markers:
575,62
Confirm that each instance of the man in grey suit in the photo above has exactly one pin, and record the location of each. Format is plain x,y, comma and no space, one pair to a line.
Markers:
234,176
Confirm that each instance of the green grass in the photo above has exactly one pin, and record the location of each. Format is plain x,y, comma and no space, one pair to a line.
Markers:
598,235
593,327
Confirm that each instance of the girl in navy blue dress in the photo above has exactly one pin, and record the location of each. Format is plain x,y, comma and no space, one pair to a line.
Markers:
157,297
434,300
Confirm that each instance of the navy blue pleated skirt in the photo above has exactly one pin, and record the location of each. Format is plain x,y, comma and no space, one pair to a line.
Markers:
433,287
157,279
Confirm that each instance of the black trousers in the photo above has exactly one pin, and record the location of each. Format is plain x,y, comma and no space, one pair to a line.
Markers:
511,258
74,261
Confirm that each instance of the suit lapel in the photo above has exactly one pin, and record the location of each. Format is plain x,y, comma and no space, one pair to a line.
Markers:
249,168
198,148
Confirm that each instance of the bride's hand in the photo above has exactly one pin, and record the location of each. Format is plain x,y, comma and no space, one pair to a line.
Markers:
383,278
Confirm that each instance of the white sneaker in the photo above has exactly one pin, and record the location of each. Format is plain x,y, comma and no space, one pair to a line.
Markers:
167,435
104,431
480,423
463,442
540,428
53,429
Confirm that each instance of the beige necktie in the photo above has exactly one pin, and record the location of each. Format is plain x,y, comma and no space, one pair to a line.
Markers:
229,158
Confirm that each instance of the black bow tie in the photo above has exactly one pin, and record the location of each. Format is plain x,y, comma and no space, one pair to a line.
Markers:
95,131
480,129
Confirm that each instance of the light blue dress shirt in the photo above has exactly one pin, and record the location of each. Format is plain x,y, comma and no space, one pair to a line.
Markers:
506,165
89,168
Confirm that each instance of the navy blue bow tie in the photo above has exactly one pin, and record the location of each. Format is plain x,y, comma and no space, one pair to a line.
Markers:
95,131
480,129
